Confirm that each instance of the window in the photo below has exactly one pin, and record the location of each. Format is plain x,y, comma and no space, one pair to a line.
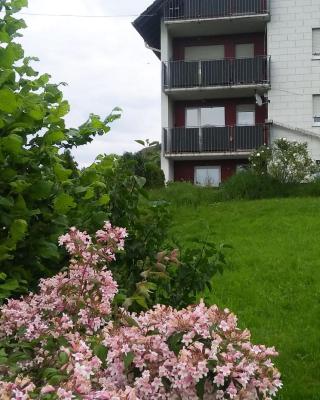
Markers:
316,109
316,42
245,50
207,176
204,53
192,117
205,116
246,114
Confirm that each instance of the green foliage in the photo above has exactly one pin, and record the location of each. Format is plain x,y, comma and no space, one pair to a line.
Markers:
186,194
199,262
146,163
285,161
249,185
260,159
38,187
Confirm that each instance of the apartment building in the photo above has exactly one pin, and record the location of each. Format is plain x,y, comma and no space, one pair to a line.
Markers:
236,74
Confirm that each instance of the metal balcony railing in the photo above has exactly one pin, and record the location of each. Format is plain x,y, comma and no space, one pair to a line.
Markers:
224,72
215,139
206,9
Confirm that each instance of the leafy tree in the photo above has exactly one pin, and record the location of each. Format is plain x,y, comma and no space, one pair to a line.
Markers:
35,180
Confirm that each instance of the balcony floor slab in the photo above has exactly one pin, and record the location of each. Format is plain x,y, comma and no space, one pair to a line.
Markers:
217,92
207,156
234,24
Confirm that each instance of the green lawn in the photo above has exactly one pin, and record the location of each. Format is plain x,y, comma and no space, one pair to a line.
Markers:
273,281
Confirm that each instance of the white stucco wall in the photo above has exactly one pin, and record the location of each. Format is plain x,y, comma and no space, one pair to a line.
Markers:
295,76
166,105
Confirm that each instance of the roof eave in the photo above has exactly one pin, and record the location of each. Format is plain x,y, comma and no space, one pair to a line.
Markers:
148,25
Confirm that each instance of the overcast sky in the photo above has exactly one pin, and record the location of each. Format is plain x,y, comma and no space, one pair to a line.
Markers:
104,62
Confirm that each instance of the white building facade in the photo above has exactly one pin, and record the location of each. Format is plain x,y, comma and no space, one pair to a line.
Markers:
293,37
236,74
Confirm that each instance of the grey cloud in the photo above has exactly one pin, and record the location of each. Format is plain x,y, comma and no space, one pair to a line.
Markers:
105,64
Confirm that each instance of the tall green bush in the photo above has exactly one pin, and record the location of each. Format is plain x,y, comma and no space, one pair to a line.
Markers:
286,161
146,163
37,192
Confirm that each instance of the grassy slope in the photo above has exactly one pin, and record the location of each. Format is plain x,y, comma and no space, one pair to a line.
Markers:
273,283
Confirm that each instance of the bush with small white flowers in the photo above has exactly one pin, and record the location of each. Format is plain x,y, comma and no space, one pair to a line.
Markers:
286,161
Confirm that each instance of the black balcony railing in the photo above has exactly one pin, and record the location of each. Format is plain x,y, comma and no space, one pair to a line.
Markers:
225,72
206,9
215,139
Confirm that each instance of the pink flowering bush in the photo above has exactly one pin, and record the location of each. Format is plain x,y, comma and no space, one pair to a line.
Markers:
70,342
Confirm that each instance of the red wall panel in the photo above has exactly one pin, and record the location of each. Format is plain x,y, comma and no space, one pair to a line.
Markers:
229,41
230,109
184,170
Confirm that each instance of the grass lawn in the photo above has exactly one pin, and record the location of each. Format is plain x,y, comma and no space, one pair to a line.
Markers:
273,281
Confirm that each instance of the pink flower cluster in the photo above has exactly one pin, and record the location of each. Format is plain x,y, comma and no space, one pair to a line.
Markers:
179,353
80,348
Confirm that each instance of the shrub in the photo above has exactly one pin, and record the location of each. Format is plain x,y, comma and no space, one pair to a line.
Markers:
287,162
249,185
146,163
69,342
38,184
42,191
186,194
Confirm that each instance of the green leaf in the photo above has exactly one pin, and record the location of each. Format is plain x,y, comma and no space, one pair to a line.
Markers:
55,380
141,301
47,250
128,360
175,342
6,75
90,194
4,37
10,285
54,137
2,276
8,102
37,112
61,173
12,143
104,200
48,372
140,142
63,109
130,321
18,4
17,231
6,202
19,186
200,388
41,190
13,52
63,203
63,358
101,352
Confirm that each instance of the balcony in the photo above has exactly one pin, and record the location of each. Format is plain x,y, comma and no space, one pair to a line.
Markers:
214,140
185,18
212,9
217,75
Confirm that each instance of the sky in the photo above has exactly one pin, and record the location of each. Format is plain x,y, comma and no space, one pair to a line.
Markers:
105,64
